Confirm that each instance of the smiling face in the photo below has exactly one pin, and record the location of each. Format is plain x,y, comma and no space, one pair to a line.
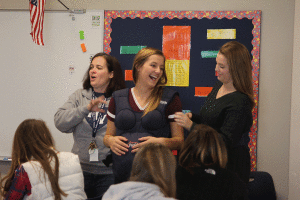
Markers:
151,71
222,69
99,74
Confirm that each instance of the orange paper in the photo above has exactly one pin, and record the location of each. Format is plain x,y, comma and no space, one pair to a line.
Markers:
83,47
128,75
177,42
202,91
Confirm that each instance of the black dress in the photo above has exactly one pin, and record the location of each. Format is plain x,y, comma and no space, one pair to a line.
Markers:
209,184
231,116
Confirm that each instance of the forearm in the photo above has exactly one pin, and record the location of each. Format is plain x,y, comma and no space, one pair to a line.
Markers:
66,119
107,140
171,143
110,133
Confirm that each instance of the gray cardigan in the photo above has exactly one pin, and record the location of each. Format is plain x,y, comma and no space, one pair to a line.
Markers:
70,118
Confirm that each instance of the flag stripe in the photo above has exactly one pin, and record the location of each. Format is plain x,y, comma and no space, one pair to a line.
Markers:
37,20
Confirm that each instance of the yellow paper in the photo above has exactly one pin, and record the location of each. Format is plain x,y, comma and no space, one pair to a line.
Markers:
221,33
178,72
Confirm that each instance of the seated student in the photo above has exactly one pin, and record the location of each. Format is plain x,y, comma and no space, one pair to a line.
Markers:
201,173
152,176
38,171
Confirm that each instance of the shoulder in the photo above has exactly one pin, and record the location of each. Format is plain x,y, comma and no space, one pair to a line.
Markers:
30,164
69,163
67,155
81,93
168,91
85,92
228,175
122,92
169,94
67,158
232,181
240,99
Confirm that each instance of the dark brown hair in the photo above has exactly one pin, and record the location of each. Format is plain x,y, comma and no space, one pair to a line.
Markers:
155,163
117,82
240,68
203,147
140,58
33,141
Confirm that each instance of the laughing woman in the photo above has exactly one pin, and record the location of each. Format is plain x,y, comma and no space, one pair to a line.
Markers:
84,115
143,114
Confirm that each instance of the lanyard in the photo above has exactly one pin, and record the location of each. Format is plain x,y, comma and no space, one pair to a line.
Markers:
99,117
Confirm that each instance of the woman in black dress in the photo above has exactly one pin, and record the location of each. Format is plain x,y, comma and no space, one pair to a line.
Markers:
228,108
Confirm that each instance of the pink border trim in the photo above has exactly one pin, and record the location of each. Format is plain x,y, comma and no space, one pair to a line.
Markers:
256,20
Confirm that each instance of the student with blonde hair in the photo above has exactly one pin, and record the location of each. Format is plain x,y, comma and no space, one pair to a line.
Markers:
202,172
142,114
38,171
152,176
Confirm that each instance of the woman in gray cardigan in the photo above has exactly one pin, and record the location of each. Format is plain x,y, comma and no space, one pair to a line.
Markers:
84,115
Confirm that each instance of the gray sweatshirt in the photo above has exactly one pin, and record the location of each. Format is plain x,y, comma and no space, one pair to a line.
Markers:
132,190
71,118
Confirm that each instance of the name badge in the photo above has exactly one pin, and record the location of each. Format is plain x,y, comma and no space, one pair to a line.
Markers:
93,155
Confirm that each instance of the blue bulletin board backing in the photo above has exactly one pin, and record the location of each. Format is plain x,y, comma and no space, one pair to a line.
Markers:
145,28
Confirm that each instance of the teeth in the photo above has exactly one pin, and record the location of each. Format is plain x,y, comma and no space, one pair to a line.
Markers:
153,77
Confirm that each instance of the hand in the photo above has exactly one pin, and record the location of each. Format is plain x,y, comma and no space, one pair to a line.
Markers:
118,145
143,141
94,103
183,120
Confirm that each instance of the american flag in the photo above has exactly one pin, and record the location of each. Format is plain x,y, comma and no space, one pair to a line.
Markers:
37,8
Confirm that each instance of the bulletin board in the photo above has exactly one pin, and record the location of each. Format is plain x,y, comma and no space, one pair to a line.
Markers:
190,61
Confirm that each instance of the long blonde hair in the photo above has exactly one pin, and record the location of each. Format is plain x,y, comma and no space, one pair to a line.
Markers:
33,141
155,163
139,59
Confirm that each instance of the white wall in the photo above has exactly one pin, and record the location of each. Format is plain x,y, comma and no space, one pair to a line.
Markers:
294,178
274,110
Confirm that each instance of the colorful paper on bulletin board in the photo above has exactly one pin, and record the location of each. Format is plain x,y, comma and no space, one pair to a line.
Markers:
202,91
209,54
177,42
128,75
221,33
194,19
130,49
178,72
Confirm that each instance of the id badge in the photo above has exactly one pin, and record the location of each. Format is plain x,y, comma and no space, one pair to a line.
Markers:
93,155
